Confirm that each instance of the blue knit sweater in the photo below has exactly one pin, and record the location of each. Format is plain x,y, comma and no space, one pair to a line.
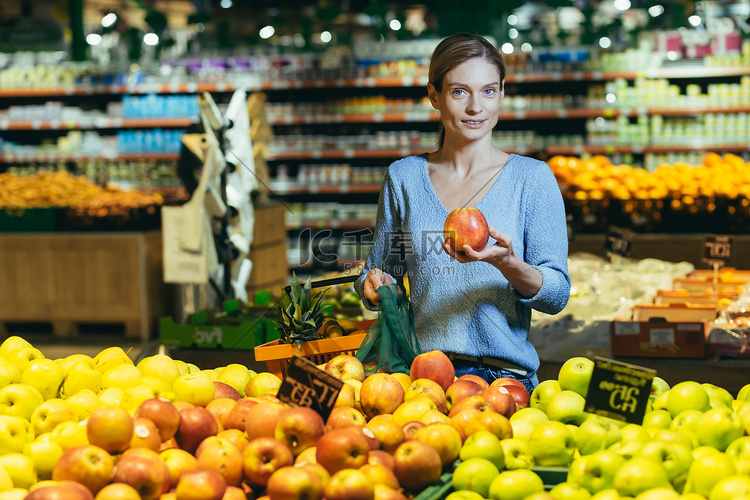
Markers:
471,308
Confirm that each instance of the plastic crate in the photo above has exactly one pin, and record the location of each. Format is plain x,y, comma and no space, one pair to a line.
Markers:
277,356
246,334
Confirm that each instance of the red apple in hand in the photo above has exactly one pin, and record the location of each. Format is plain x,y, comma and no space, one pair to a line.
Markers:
466,226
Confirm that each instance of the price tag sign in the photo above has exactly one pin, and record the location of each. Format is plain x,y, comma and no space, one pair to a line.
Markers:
717,249
307,385
619,390
619,241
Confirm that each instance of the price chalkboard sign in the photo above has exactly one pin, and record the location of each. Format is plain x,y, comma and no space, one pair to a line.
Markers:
619,241
307,385
619,390
717,249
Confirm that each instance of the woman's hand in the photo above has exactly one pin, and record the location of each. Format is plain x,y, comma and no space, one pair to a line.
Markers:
375,278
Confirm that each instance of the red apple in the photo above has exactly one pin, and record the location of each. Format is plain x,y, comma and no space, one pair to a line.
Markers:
145,434
235,436
461,389
424,387
347,396
224,390
344,416
294,483
410,428
317,469
234,493
443,438
341,449
89,465
380,457
520,394
262,457
261,419
220,409
110,428
307,456
178,461
346,366
433,365
223,457
237,416
490,421
383,492
119,491
144,470
366,432
64,490
163,413
501,399
461,419
196,424
508,381
380,393
299,428
380,474
349,484
475,378
416,465
181,405
466,226
201,484
388,433
476,401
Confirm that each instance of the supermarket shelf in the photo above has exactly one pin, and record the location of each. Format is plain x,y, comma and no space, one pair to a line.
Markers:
341,264
255,83
331,224
387,117
13,158
96,123
325,188
618,149
367,153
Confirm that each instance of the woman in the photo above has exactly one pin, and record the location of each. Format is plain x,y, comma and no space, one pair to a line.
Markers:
474,306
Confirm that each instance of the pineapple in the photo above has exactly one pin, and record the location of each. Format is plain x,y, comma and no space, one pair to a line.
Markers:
301,314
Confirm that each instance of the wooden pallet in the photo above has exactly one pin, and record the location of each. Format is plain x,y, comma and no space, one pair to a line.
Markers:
70,329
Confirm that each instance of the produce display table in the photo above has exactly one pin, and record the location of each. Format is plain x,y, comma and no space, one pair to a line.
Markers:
69,279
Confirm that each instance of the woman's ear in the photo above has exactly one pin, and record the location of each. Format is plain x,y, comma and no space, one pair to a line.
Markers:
432,94
502,91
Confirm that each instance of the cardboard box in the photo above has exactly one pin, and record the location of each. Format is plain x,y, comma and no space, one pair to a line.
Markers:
659,339
674,312
269,266
685,297
269,225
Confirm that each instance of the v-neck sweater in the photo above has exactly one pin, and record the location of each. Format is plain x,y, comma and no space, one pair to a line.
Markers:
471,308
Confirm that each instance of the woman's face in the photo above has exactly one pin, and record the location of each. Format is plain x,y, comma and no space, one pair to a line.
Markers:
470,101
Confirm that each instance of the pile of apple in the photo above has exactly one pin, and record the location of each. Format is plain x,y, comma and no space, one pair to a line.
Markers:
105,428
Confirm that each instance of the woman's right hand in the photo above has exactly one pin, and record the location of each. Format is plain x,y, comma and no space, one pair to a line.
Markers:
375,278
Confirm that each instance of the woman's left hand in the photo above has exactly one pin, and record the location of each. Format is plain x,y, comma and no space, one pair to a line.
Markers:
500,254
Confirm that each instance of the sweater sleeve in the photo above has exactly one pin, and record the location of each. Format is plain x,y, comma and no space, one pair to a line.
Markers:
546,241
387,239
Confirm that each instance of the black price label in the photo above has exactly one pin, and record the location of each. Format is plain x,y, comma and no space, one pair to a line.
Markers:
717,249
619,241
307,385
619,390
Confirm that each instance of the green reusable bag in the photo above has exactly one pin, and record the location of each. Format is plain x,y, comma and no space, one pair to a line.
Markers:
391,343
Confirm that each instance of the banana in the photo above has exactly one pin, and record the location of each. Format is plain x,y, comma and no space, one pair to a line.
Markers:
331,329
348,326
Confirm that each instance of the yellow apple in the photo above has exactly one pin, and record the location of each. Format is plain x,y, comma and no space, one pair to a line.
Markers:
51,413
134,396
14,494
111,357
122,376
69,435
237,376
84,401
263,383
9,373
45,376
182,366
13,434
159,366
6,482
19,400
44,453
22,357
111,396
12,344
194,388
68,361
20,468
82,375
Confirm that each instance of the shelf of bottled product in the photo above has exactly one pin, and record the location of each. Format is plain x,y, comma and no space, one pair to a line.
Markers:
57,157
339,154
255,82
289,189
95,123
640,149
332,223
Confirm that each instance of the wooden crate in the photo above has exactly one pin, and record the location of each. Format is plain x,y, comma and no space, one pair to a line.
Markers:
73,278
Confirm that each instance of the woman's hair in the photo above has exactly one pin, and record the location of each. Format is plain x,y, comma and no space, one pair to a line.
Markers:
455,50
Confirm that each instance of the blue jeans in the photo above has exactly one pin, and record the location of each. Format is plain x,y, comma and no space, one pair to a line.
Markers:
490,374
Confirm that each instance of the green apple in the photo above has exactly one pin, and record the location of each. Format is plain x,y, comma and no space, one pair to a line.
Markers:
68,361
639,474
20,468
9,373
627,449
111,357
542,393
517,454
552,443
486,445
718,396
237,376
533,415
453,495
522,429
13,344
595,472
658,387
161,367
569,491
657,419
575,375
675,458
608,494
122,376
596,434
22,357
567,407
659,494
718,427
69,435
19,400
731,488
111,396
515,485
45,376
687,395
685,420
707,469
684,438
634,432
739,448
475,474
82,375
44,453
13,434
194,388
742,394
84,402
660,402
49,414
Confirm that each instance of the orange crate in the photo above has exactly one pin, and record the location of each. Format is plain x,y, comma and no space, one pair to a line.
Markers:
277,355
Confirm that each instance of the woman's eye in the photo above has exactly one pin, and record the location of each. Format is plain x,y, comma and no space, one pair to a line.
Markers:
458,92
489,91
